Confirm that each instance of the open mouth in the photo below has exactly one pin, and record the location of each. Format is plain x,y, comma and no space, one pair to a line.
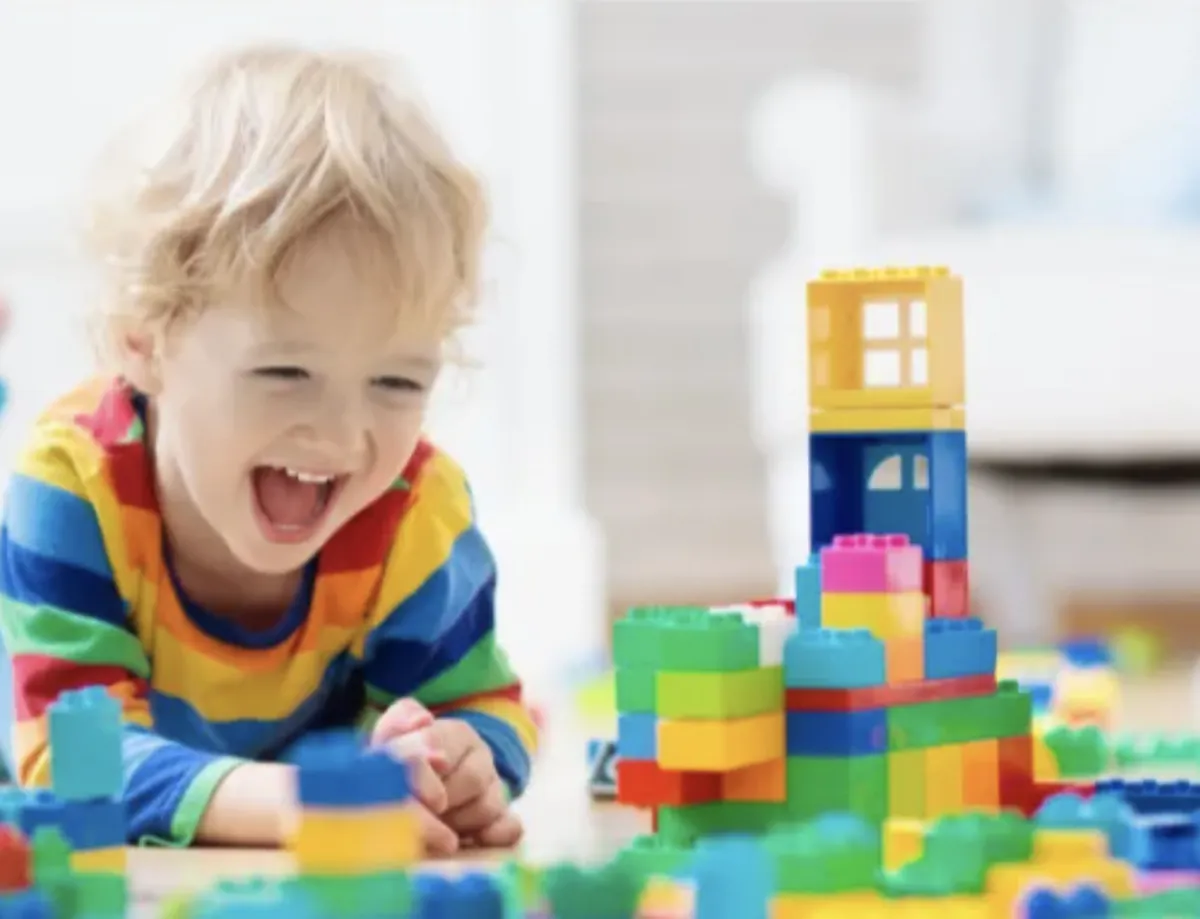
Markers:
292,504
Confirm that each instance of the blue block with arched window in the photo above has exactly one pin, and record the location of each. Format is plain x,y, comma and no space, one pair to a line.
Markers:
911,482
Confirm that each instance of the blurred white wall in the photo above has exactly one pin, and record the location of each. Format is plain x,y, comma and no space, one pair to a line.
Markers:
498,75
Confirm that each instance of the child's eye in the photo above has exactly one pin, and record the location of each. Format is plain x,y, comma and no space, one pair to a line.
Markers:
282,373
398,384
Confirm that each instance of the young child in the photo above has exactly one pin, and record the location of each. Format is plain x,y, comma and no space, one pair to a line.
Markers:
241,532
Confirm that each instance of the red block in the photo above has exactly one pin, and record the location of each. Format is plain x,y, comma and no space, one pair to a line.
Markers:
1016,772
947,585
855,700
15,871
1039,792
642,783
789,605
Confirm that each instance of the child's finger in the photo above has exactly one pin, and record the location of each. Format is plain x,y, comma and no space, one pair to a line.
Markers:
401,717
440,841
506,831
427,785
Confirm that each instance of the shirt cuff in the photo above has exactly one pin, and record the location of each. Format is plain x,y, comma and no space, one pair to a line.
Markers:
193,804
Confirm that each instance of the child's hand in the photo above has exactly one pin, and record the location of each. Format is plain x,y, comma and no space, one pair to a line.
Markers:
401,730
475,805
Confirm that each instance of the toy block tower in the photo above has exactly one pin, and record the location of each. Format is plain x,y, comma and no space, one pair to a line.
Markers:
887,417
700,727
893,705
356,835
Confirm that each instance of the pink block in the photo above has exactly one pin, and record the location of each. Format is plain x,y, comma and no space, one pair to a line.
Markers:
868,564
1158,881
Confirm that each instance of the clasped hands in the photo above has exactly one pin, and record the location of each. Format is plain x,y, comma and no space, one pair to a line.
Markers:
454,779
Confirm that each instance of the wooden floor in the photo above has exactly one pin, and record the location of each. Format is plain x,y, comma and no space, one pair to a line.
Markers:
562,823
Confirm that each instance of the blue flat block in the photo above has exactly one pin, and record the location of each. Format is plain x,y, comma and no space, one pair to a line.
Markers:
833,659
808,593
858,733
1086,652
927,501
1147,797
474,894
84,825
637,736
26,904
1168,842
335,770
958,648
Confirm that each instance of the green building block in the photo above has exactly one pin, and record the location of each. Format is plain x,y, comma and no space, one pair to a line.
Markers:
735,694
654,855
574,892
819,785
826,857
100,895
635,689
684,639
1005,713
1079,752
362,897
682,826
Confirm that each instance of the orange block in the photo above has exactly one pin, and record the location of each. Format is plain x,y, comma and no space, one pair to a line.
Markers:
981,775
760,782
905,658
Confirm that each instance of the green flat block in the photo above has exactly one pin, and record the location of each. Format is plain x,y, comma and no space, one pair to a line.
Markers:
858,785
1005,713
739,694
682,826
684,639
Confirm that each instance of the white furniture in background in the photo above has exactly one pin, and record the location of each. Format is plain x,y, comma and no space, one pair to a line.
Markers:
1081,322
498,75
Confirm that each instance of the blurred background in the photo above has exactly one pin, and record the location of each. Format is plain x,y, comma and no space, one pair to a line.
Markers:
666,176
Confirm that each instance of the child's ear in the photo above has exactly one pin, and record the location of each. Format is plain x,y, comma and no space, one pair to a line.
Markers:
139,361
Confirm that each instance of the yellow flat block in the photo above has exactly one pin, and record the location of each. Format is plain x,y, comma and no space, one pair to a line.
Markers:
1052,847
100,861
720,746
829,906
1007,884
864,420
885,616
328,841
903,842
665,899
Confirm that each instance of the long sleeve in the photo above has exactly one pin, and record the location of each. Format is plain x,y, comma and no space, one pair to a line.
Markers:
64,625
434,637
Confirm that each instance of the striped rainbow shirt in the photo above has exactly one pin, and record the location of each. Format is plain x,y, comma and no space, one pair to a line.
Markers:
398,603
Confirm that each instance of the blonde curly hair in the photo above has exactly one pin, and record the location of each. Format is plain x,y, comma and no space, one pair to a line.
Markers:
270,149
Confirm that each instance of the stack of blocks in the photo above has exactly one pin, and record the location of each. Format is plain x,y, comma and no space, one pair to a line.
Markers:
62,851
872,691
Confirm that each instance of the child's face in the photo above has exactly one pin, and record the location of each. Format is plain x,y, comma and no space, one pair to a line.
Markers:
274,426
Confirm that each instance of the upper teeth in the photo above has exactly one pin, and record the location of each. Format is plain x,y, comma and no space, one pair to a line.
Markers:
315,477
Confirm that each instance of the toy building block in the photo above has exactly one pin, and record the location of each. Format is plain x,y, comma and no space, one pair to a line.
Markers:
884,615
16,861
886,339
867,564
946,582
959,648
808,593
853,489
832,659
85,745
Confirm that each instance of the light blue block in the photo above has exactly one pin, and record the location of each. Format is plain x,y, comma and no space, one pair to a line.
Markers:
637,736
808,593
